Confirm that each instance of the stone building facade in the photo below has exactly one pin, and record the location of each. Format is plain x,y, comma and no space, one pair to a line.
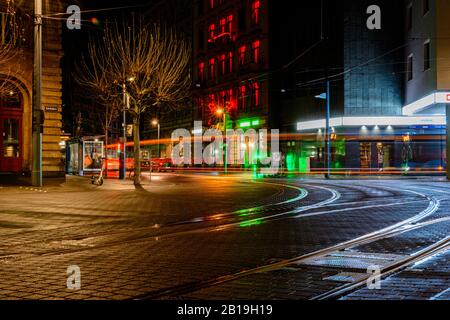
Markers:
16,104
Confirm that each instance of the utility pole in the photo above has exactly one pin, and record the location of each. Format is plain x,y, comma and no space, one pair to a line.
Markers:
447,109
38,118
225,110
159,140
226,139
328,132
126,106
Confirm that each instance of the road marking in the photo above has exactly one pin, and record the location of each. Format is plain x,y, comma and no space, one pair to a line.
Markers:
436,297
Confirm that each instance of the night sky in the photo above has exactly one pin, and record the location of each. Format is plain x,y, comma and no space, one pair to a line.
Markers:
75,41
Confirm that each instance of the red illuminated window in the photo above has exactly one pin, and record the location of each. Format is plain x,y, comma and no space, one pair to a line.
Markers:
230,62
211,32
222,63
255,11
256,51
242,53
212,4
230,23
223,24
242,96
201,71
212,68
255,94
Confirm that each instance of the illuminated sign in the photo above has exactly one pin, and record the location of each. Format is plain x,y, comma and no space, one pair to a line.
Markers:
373,121
247,123
425,102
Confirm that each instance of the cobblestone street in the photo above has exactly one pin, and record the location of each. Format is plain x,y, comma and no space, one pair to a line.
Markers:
217,237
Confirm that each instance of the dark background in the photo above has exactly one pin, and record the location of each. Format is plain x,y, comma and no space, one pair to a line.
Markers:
75,45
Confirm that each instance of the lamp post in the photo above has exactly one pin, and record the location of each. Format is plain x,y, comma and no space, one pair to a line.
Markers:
38,118
156,123
126,106
326,96
223,112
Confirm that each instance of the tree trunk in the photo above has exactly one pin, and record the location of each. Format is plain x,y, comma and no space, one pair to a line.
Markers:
137,150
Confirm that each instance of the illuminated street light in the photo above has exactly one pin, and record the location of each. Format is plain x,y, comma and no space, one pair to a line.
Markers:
156,123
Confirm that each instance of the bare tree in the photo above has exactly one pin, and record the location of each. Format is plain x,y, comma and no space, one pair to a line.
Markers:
92,73
9,35
151,63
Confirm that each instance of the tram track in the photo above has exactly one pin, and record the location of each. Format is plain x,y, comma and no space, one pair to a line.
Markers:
143,232
303,193
432,250
387,232
274,212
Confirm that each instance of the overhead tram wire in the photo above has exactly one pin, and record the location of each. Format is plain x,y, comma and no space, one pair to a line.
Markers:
343,73
319,80
93,11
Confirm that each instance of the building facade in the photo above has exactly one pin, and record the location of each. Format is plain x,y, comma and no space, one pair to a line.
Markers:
16,101
394,84
231,48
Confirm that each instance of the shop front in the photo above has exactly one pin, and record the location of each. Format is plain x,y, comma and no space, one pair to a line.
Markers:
11,142
378,145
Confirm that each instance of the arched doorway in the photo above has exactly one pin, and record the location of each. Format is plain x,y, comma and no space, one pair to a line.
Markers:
11,114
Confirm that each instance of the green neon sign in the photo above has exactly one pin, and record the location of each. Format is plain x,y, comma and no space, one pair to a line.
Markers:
247,123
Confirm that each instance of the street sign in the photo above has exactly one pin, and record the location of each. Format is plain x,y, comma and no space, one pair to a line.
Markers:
129,130
322,96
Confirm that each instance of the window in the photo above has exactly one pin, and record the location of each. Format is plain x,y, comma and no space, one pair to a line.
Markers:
256,51
409,17
410,67
201,71
230,23
10,97
212,68
230,62
223,23
426,6
255,11
426,55
242,97
212,4
255,94
222,64
230,98
10,138
242,54
211,32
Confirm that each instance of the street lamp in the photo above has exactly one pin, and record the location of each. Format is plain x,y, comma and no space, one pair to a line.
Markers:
223,112
156,123
326,96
